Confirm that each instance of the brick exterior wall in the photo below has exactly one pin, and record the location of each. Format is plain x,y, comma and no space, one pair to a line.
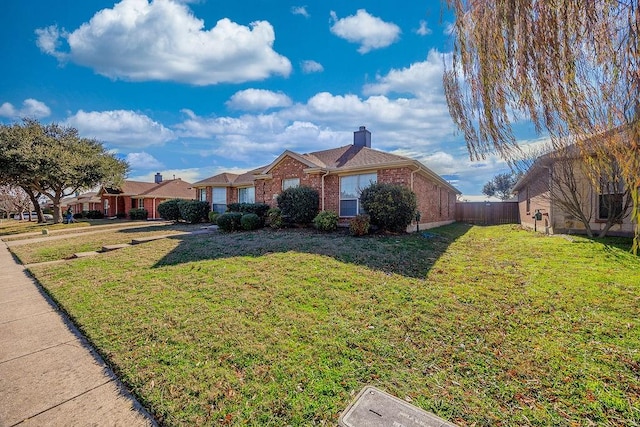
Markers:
268,189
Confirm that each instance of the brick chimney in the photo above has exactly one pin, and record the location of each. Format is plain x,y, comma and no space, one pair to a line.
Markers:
362,138
158,178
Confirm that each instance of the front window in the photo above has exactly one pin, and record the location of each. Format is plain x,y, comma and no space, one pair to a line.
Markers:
290,183
137,203
202,194
611,195
350,189
219,200
247,195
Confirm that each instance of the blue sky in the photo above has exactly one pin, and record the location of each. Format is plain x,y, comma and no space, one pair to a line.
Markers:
195,88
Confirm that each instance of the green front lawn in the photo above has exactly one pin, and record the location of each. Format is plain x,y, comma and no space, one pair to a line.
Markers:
480,325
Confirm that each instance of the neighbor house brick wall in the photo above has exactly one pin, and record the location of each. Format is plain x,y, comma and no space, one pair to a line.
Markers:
536,191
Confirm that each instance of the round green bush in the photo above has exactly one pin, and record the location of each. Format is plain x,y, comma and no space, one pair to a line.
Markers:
95,215
250,221
193,211
170,210
326,221
229,221
391,207
359,225
138,214
299,204
274,216
213,217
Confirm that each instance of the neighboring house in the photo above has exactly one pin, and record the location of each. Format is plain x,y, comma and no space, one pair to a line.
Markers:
82,202
338,175
558,189
147,195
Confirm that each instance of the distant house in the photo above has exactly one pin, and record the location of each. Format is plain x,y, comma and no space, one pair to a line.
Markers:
82,202
147,195
557,182
338,175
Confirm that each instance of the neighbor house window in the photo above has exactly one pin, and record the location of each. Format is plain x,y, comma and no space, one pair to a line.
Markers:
247,195
202,194
137,203
528,200
85,206
219,200
350,188
290,183
611,196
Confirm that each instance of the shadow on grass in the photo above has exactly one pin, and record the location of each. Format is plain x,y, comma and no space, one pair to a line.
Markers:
410,255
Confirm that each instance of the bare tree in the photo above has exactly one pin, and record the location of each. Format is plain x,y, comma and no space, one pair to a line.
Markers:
570,66
14,199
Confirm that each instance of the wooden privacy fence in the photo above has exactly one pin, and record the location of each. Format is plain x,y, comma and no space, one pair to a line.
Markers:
488,213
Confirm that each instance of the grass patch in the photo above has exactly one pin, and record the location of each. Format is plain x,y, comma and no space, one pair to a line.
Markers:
52,250
481,325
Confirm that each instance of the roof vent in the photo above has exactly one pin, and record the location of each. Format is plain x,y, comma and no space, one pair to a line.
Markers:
362,138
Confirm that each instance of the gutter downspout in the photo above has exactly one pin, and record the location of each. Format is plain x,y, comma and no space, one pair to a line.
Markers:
322,185
154,208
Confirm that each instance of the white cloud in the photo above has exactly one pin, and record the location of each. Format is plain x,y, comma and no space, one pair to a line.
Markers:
144,161
310,66
300,10
31,108
258,100
163,40
120,128
421,79
423,30
369,31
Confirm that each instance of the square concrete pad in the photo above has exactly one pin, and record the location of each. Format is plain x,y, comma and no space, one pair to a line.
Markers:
31,334
34,383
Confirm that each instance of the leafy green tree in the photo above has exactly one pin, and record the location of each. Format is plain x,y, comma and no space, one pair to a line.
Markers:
54,161
500,186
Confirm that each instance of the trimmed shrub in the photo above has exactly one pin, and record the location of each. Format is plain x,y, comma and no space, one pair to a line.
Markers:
326,221
95,215
229,221
77,215
138,214
193,211
170,210
359,225
213,217
299,204
259,209
121,215
391,207
274,217
250,221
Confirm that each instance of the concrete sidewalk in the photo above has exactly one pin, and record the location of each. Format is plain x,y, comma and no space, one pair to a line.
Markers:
49,375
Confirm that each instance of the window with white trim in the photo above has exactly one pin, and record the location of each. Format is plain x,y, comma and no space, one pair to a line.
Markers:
202,194
290,183
247,195
219,199
350,188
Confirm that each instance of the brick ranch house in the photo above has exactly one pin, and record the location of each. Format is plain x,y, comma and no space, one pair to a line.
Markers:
538,191
82,203
338,175
147,195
